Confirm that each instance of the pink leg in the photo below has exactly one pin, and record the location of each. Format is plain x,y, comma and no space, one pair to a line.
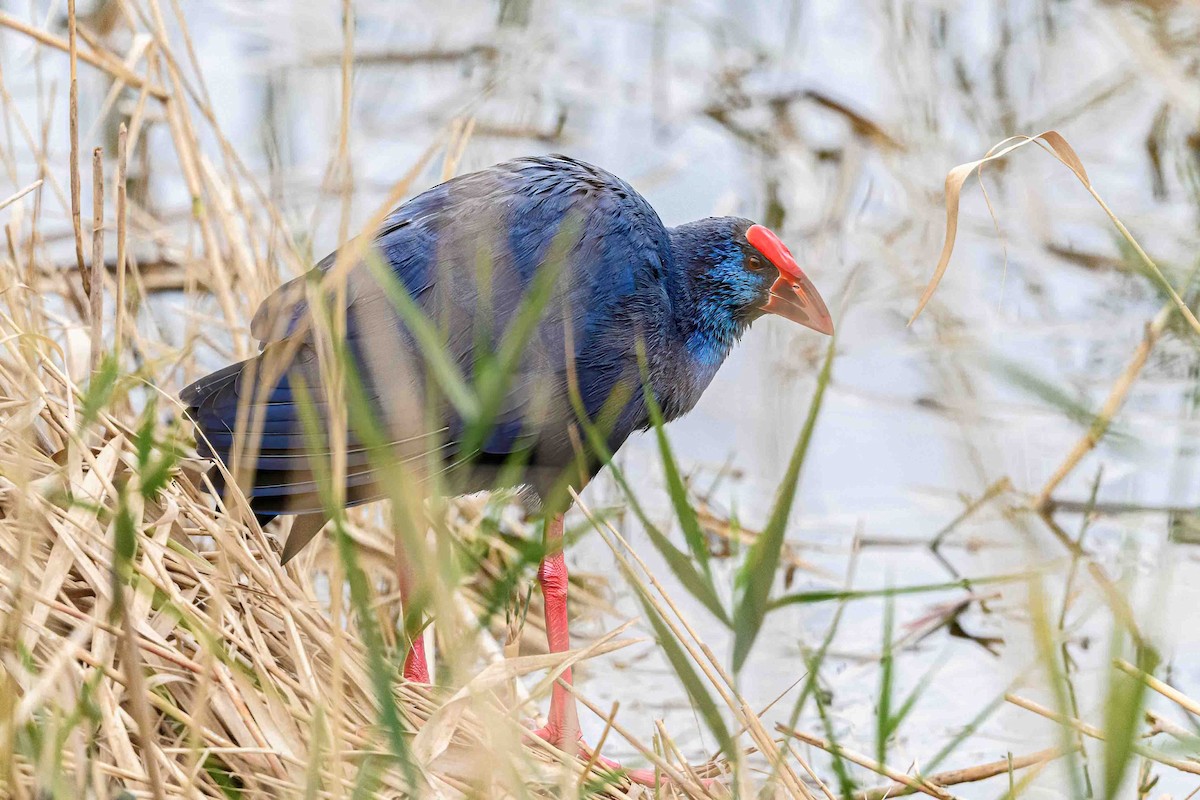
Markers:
416,667
562,726
563,723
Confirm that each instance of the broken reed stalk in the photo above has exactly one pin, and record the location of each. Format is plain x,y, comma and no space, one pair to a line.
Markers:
96,282
1160,724
979,772
122,224
1183,765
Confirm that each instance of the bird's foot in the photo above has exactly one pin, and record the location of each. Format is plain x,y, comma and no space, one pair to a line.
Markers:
563,741
416,668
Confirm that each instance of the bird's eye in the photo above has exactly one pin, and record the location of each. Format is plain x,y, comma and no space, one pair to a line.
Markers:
754,263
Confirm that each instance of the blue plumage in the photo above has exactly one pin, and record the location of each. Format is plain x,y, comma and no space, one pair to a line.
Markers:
468,251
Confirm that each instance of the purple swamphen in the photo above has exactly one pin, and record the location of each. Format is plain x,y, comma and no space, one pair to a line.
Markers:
632,307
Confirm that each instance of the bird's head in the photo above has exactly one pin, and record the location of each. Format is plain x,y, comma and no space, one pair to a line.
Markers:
781,286
741,270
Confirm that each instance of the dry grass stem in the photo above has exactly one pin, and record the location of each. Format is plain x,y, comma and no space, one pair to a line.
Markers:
96,282
73,122
917,784
1165,689
1053,143
1093,732
978,772
99,59
122,235
1112,404
8,201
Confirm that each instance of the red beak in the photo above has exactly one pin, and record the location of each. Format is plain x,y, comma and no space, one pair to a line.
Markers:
793,295
795,298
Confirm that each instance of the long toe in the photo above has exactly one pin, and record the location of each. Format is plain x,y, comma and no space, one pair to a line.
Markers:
642,777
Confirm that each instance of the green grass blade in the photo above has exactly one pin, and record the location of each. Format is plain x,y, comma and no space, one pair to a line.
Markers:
1045,639
682,664
1123,714
845,782
975,723
825,595
427,337
1051,393
689,521
883,712
813,660
698,584
496,379
911,700
100,392
758,573
380,670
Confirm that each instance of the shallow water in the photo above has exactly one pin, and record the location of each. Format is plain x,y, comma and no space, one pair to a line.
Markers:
716,107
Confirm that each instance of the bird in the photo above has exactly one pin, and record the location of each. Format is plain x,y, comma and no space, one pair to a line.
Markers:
628,311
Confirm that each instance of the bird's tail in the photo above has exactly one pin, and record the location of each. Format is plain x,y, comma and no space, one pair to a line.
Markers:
255,426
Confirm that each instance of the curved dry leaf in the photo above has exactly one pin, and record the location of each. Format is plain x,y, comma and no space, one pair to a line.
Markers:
1066,154
1054,144
954,183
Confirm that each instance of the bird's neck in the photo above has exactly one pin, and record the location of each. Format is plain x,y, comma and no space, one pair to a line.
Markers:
710,323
